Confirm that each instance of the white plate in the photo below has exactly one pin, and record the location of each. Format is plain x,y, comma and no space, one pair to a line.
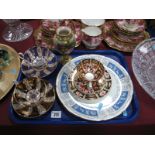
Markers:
143,64
107,107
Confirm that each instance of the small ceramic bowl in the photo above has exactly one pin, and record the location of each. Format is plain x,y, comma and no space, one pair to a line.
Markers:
90,80
38,62
33,97
92,37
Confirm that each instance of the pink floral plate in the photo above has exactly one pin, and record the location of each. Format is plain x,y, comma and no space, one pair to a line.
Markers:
113,42
133,39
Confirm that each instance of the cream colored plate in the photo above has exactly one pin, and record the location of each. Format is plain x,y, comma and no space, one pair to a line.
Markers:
10,72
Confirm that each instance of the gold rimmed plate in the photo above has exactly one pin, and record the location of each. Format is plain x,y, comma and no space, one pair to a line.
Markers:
10,71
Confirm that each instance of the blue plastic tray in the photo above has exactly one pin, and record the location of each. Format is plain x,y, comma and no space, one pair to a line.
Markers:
59,115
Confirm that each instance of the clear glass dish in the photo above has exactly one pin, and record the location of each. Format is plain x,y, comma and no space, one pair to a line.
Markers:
143,65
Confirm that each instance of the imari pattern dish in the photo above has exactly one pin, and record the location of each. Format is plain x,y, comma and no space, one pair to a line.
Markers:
33,97
9,68
94,87
89,80
143,64
38,62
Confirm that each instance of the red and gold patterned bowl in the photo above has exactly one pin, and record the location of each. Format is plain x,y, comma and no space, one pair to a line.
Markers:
89,80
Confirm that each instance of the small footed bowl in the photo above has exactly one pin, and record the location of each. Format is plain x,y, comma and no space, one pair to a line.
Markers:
38,62
90,80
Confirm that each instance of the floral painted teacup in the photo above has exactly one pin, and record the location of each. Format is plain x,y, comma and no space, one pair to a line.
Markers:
92,37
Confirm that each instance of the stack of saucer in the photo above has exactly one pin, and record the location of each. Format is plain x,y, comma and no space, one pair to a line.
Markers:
124,35
45,33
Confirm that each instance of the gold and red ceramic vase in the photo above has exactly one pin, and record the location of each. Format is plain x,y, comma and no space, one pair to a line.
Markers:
76,27
64,41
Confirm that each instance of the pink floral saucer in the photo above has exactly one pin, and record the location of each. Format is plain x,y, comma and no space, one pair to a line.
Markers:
131,25
113,42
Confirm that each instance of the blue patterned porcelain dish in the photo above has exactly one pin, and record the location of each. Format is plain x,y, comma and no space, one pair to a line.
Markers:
38,62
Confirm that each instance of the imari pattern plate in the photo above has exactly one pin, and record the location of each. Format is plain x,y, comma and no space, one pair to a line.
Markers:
94,87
